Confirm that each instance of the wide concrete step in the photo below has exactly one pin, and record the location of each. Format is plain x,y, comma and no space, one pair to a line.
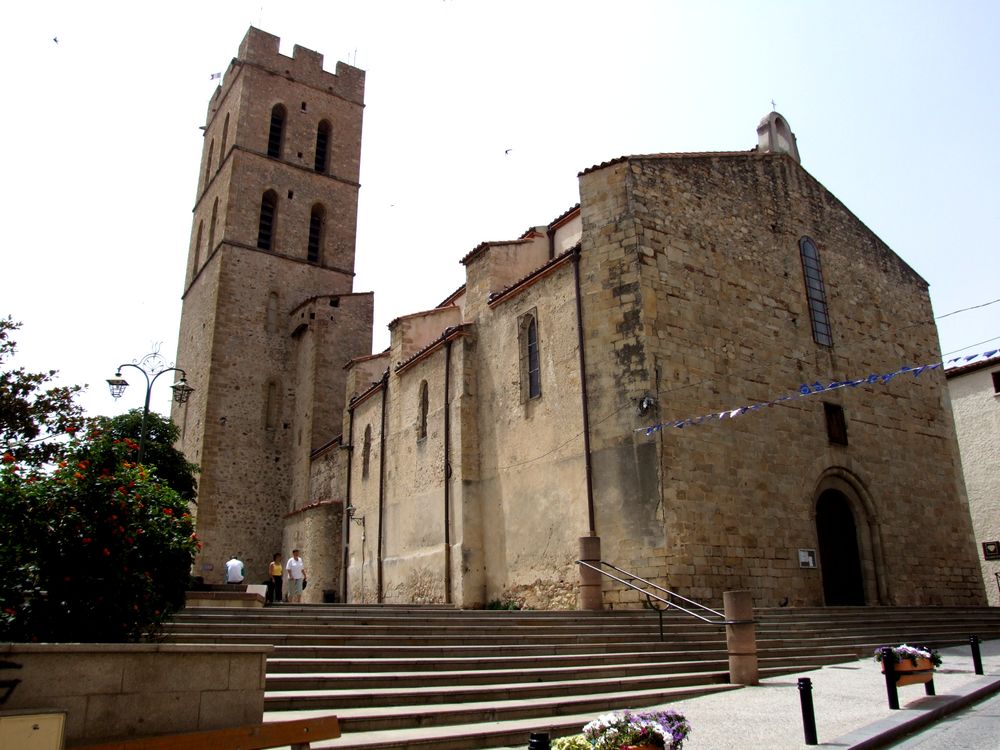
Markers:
277,681
413,715
317,647
291,660
435,637
545,630
314,679
333,697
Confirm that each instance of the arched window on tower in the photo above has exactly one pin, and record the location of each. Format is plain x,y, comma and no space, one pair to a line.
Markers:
815,292
422,411
208,164
276,135
225,139
211,228
268,217
197,250
316,225
322,146
366,452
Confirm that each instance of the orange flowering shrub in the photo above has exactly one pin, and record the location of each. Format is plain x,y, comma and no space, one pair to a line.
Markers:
94,549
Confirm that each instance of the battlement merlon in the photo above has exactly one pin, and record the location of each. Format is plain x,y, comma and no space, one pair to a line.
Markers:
305,66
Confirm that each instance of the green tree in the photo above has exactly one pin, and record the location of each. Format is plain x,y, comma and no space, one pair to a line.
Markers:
31,414
96,549
160,455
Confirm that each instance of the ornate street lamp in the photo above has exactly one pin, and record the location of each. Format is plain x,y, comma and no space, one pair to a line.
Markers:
156,367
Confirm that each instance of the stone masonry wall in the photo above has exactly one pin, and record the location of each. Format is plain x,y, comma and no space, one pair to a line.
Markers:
694,264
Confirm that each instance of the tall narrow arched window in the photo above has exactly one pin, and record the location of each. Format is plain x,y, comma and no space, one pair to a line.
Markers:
225,139
211,227
322,146
268,217
366,452
316,225
197,250
276,135
208,164
422,411
531,366
815,292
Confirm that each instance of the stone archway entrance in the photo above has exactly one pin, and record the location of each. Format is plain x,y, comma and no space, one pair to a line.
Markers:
839,553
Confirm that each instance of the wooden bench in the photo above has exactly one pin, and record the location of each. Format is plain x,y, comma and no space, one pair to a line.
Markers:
298,733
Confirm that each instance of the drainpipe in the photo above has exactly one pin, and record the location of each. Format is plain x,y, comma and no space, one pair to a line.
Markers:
381,480
447,472
345,518
583,396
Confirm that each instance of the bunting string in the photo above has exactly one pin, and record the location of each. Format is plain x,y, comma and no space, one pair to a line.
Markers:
807,389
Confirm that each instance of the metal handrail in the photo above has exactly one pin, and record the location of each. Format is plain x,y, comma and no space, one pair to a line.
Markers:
720,617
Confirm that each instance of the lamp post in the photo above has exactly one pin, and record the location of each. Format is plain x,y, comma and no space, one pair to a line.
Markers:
118,384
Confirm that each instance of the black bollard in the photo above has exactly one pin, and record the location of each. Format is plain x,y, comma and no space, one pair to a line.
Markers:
889,667
539,741
808,715
977,657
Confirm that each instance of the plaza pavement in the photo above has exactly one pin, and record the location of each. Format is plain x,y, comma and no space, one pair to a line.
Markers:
850,702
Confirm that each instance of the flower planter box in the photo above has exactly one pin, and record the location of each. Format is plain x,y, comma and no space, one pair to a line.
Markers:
908,673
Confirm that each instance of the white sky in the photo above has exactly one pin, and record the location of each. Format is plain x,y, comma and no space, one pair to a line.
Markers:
895,105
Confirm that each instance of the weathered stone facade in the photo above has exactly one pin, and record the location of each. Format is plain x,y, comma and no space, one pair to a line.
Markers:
506,423
695,296
975,401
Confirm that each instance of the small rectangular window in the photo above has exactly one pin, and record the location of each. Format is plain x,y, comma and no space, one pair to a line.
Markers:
996,382
836,425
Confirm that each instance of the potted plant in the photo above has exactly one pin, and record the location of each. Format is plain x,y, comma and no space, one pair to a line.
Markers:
625,730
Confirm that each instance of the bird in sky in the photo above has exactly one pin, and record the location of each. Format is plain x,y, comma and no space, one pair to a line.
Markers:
55,39
507,151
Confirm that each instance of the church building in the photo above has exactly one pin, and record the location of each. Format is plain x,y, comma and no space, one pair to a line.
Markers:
613,384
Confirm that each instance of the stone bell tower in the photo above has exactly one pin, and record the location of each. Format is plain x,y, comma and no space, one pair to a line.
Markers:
269,314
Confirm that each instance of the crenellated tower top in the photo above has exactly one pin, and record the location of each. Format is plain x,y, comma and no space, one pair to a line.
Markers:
305,66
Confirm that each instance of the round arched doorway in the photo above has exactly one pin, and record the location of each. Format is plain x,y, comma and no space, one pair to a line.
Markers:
839,552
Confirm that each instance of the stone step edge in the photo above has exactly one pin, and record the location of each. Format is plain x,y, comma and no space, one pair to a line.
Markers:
458,675
417,712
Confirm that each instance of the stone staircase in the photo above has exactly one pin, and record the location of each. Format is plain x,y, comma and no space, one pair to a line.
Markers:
435,677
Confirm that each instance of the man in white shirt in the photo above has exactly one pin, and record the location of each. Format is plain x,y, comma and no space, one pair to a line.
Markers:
296,571
235,570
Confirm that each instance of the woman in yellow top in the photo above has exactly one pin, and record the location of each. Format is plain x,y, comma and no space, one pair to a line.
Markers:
275,571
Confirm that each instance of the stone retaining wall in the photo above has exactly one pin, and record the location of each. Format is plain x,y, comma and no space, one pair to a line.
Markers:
116,691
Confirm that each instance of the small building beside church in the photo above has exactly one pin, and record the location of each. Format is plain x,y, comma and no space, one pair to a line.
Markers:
617,377
975,400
